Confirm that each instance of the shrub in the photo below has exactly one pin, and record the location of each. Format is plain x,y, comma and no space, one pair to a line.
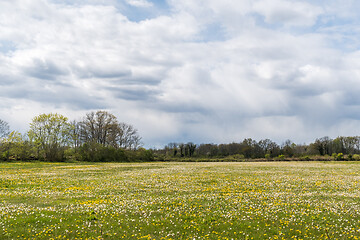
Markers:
235,157
94,152
338,157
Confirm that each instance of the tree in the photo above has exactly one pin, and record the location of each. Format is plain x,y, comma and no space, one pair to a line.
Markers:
349,144
323,145
181,146
127,137
208,150
4,129
190,148
248,146
171,149
288,148
51,133
99,127
267,146
16,147
103,128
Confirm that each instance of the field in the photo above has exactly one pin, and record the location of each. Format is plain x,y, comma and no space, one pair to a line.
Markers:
283,200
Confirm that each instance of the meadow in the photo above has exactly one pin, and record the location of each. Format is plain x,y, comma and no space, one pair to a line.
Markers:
267,200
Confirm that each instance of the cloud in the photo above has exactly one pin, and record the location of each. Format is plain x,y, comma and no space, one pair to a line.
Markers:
46,70
276,69
288,13
139,3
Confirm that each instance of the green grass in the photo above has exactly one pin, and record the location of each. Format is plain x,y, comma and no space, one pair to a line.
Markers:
274,200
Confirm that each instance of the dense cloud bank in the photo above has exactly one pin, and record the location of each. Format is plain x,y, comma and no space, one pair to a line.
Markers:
203,71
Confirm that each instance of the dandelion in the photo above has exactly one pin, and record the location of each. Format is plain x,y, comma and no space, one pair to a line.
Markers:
179,201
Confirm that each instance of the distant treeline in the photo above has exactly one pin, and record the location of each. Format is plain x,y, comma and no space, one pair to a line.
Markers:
99,136
337,149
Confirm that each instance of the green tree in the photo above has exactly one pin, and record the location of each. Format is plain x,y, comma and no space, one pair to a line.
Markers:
16,147
51,133
288,148
269,147
191,147
323,145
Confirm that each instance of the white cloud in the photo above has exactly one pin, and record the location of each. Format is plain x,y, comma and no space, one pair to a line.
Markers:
139,3
287,12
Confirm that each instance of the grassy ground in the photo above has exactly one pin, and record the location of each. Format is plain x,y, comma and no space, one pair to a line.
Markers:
282,200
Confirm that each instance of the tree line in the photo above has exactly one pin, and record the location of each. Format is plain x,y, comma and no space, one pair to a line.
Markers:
336,148
98,136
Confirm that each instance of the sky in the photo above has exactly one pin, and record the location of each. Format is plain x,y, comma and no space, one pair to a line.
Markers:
214,71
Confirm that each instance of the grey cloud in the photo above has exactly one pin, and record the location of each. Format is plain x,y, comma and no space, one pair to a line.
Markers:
291,83
6,80
138,94
304,91
72,99
351,97
45,69
145,81
57,95
183,108
17,93
103,73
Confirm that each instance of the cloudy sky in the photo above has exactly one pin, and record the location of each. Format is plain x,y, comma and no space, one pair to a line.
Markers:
202,71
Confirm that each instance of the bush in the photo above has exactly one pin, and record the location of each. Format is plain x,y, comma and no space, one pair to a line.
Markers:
111,154
144,155
94,152
72,155
235,158
338,157
356,157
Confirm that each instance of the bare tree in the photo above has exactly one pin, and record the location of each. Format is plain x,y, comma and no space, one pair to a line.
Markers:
103,128
127,137
172,149
75,134
99,127
4,129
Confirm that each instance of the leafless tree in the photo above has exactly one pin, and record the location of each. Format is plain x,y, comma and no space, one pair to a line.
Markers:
128,137
98,127
103,128
4,129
